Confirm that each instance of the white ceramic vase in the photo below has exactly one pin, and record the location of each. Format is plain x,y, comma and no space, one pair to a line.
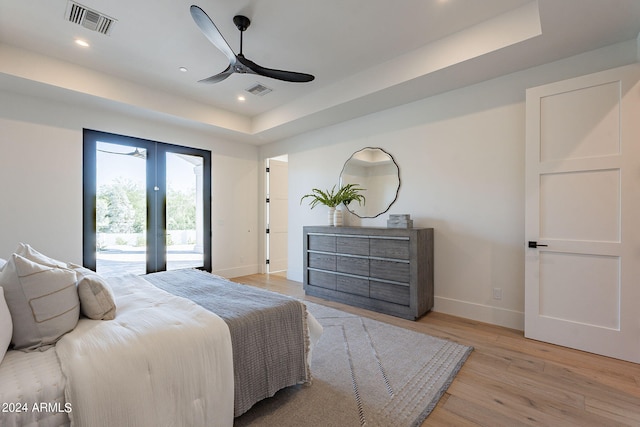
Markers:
337,217
330,215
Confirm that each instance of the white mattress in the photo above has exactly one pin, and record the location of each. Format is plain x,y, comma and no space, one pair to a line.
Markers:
32,390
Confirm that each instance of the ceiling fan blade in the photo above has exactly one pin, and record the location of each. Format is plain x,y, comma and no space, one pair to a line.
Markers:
218,77
287,76
211,32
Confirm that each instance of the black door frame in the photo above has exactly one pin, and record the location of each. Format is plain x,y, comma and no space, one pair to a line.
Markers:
156,194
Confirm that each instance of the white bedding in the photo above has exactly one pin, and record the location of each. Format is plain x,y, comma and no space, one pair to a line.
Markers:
27,381
129,371
135,370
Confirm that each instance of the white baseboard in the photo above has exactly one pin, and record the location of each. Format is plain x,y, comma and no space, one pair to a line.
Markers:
482,313
244,270
295,275
468,310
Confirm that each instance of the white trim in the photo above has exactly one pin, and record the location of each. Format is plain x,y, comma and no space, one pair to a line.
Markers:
480,312
246,270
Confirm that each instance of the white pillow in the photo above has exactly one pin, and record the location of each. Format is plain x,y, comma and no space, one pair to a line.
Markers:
2,263
43,301
96,297
6,326
31,254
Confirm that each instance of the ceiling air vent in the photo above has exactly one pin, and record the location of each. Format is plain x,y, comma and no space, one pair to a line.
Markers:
88,18
258,89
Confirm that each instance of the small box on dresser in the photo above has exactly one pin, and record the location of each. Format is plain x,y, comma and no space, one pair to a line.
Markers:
399,221
389,270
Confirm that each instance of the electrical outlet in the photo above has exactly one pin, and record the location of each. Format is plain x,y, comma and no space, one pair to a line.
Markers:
497,293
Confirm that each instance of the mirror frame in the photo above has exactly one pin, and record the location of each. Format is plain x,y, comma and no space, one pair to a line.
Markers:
395,197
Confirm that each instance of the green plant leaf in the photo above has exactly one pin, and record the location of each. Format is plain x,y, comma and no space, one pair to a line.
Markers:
345,195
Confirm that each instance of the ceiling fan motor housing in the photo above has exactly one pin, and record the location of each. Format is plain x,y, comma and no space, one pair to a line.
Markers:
242,22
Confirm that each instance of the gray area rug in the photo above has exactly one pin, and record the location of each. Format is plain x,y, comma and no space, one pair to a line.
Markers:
365,373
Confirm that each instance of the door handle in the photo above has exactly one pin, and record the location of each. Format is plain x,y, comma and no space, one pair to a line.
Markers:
533,244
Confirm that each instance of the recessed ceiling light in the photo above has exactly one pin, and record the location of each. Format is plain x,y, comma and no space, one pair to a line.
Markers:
241,98
82,43
183,69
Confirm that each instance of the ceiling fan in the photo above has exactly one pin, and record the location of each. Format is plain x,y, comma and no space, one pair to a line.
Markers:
139,153
238,63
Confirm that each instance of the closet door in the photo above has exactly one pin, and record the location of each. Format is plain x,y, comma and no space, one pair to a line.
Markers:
582,264
278,215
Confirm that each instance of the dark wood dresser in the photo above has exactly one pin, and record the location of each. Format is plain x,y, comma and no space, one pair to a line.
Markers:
389,270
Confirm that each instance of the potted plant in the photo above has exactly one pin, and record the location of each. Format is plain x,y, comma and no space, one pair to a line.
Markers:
332,198
349,193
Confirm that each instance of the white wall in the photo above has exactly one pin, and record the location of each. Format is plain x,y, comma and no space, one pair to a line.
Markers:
41,179
461,159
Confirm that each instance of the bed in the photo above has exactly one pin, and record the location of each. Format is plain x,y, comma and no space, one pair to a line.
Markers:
183,348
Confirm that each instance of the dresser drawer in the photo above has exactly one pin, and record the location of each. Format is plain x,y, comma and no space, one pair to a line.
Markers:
389,248
353,285
352,265
390,270
352,245
389,292
320,242
322,261
322,279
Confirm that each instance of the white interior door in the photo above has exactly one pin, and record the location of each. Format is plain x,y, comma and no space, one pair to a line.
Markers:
278,216
582,289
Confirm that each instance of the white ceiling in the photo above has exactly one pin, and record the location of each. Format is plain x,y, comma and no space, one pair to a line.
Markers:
366,55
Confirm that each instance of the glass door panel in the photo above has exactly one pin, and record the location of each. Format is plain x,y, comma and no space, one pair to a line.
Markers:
121,209
184,211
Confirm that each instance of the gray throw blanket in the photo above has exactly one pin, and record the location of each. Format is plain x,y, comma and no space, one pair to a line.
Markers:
269,332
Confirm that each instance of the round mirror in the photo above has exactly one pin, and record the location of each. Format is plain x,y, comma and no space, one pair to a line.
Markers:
377,172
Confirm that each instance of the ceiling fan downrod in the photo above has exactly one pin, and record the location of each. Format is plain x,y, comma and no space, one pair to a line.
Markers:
242,23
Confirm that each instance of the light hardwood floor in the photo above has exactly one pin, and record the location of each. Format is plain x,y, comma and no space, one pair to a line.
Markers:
509,380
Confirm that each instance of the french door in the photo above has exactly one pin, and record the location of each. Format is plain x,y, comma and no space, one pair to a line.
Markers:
147,205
